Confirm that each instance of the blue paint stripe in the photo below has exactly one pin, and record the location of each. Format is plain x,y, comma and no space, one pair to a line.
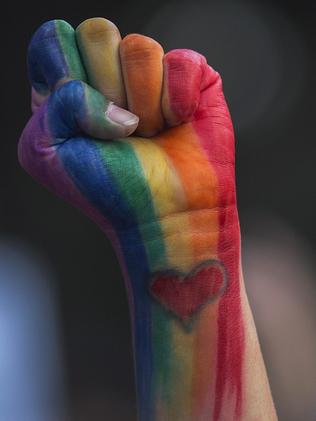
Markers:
46,60
97,184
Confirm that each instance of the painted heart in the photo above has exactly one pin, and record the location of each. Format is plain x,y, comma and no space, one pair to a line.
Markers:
185,294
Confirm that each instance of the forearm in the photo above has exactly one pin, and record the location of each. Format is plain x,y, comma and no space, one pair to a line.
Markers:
201,362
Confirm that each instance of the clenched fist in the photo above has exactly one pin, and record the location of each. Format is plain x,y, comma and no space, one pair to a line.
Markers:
142,142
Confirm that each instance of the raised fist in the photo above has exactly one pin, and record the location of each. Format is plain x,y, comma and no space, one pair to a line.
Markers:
159,180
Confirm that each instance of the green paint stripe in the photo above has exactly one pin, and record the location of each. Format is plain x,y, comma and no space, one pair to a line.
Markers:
95,118
163,353
87,62
67,40
121,159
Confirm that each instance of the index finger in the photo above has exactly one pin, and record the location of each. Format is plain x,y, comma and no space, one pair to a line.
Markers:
53,57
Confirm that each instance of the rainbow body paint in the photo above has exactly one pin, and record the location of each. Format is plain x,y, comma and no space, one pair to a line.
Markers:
168,204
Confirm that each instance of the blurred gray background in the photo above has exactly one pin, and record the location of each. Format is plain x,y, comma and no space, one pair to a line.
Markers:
59,273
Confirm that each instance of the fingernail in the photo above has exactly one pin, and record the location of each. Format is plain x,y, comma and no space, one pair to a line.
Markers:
120,116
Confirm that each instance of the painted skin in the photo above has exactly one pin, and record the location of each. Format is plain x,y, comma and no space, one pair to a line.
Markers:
166,199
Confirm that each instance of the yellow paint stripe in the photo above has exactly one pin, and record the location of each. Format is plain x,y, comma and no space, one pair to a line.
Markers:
169,201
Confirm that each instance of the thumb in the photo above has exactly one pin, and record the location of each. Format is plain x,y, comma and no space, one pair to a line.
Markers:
76,108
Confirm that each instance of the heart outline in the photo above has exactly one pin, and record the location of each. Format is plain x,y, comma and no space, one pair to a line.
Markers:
182,277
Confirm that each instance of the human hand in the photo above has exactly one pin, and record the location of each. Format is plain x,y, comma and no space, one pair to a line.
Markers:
159,180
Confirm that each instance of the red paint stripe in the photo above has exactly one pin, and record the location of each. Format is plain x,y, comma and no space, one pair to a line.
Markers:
230,345
212,124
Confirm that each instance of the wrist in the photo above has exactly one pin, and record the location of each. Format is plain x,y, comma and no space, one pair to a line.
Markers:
183,240
179,360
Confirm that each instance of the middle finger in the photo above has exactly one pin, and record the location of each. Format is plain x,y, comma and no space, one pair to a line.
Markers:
99,41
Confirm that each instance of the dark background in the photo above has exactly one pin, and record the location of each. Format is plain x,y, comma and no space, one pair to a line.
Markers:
265,53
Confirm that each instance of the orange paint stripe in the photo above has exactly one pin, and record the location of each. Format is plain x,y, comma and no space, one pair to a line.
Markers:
198,179
204,234
200,190
201,193
141,60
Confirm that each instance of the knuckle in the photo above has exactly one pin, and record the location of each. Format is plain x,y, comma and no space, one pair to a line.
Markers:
71,93
48,30
135,47
44,59
184,56
96,29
